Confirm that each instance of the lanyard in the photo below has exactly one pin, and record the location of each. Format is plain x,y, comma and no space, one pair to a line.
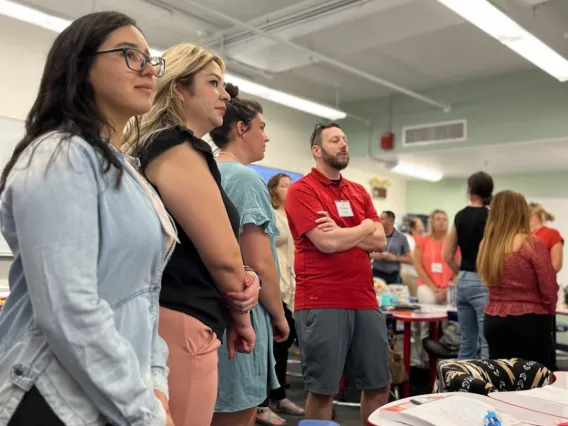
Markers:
433,250
390,241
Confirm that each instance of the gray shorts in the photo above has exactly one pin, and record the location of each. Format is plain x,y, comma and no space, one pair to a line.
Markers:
337,341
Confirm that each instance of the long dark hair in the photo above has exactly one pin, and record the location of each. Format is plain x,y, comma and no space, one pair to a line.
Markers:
65,102
238,109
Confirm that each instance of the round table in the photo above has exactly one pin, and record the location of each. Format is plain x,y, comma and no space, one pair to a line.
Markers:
520,413
407,318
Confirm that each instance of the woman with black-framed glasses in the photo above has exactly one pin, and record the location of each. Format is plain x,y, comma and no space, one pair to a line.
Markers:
79,339
137,60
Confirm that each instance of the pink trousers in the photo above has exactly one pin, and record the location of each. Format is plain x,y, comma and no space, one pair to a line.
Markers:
193,367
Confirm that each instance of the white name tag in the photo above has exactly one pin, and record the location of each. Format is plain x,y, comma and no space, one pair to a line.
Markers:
436,268
344,208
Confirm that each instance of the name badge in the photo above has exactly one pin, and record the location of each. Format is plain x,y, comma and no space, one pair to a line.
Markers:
344,208
436,268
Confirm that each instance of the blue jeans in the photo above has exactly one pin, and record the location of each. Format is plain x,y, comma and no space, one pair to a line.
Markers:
471,297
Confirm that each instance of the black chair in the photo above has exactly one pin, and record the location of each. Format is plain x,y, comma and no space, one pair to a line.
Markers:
437,350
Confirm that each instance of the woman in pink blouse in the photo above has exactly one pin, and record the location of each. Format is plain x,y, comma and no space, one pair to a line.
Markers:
523,290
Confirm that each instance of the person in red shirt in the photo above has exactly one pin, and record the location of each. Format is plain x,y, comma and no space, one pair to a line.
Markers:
338,323
523,291
549,236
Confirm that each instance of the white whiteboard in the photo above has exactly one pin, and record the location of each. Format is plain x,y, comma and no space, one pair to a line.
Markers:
558,207
11,132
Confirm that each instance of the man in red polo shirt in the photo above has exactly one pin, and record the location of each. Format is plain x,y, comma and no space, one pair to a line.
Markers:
339,326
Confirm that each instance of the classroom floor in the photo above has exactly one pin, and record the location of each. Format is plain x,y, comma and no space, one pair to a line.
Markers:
345,416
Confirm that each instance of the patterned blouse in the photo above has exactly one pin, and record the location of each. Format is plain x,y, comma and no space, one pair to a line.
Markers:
528,284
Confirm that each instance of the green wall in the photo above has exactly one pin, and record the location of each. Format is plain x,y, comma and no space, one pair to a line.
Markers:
514,107
450,194
509,108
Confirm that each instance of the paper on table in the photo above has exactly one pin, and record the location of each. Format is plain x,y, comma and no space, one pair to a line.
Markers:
547,393
457,411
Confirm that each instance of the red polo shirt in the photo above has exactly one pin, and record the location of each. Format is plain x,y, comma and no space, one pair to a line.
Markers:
339,280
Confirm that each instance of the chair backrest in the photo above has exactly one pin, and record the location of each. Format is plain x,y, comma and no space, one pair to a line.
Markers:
317,423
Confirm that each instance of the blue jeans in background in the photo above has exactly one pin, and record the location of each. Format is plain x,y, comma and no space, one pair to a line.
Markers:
472,296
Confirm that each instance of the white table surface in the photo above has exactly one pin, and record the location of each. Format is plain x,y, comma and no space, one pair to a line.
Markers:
538,405
528,416
561,380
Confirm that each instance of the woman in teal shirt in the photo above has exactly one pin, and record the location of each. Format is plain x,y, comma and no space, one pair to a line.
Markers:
244,382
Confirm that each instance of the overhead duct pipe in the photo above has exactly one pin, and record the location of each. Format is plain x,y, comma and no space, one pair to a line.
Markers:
321,57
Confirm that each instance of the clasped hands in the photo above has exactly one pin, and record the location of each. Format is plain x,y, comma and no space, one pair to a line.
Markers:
240,334
388,257
241,337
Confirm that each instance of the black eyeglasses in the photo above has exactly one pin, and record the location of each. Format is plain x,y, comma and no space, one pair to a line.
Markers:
137,60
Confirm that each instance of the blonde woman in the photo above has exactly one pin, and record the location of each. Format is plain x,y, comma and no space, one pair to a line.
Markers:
206,265
434,274
549,236
523,291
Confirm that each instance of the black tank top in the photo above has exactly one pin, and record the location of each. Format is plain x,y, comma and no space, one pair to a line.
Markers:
470,225
187,285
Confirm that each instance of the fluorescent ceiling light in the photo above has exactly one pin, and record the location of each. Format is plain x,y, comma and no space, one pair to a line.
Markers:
33,16
418,172
286,99
490,19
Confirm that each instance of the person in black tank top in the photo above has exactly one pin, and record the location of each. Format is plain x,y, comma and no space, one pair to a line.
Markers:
206,265
472,295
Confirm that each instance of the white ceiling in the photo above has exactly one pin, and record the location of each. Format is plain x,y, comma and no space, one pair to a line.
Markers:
503,159
416,44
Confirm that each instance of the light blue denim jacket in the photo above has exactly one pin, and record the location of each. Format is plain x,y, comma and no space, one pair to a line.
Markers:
81,321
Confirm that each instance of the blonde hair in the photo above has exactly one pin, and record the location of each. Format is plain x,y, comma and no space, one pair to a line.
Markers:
182,63
431,219
541,212
509,215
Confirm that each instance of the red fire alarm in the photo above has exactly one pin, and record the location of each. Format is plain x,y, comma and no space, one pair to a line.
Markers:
387,141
